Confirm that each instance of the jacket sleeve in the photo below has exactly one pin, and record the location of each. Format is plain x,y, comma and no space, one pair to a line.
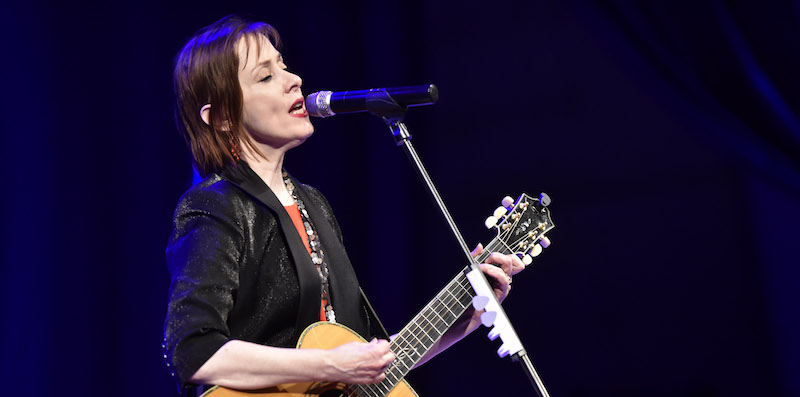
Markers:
203,258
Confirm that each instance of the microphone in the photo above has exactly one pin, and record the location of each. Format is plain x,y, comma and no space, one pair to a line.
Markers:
378,101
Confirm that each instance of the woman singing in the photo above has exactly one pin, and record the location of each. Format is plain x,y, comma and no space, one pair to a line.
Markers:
255,257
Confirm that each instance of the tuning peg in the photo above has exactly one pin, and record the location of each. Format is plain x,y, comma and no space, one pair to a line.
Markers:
544,199
500,211
527,259
507,202
494,333
490,222
536,250
503,351
545,242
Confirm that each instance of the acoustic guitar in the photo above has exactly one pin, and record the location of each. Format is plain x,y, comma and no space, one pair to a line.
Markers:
521,228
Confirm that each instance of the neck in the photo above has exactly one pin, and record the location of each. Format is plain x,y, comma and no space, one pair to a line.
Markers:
270,169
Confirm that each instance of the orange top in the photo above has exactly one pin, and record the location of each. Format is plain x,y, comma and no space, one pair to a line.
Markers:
297,219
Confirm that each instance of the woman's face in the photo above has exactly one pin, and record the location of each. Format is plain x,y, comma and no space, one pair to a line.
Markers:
273,111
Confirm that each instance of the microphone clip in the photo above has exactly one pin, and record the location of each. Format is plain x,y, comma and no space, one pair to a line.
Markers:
381,104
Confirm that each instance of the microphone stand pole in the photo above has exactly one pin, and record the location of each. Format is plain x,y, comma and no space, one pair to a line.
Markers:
392,114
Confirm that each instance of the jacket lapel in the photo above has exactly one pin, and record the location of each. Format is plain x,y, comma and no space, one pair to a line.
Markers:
310,284
343,284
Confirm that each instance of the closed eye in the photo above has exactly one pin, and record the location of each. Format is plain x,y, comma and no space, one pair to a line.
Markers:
269,76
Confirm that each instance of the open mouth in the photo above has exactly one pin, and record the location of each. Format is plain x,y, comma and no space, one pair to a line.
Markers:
298,107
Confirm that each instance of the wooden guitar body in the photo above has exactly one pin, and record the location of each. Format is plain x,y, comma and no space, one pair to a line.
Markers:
321,335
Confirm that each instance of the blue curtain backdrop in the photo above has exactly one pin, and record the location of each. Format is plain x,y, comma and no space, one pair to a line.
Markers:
666,133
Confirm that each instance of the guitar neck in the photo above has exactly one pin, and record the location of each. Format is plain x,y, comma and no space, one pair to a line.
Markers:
428,326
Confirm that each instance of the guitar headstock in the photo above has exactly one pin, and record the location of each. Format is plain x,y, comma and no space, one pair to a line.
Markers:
521,226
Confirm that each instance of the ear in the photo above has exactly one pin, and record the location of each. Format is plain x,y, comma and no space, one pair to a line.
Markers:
205,113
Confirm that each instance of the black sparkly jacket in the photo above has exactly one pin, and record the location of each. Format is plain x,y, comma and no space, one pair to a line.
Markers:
240,270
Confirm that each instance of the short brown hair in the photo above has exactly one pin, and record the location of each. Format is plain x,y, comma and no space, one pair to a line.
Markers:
206,72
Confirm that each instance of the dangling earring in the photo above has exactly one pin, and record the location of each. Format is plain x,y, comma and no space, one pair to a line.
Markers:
234,151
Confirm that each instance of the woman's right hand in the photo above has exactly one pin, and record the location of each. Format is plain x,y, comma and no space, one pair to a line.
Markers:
360,362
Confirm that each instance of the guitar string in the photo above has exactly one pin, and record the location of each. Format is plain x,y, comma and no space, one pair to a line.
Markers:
462,283
422,315
401,366
391,376
445,299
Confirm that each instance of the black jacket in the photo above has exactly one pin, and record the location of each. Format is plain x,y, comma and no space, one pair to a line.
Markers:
240,270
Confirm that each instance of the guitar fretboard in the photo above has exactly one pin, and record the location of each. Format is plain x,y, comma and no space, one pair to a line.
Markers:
427,327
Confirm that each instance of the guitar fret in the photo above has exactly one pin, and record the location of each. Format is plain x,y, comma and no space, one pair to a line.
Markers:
505,247
428,326
434,321
427,335
417,336
410,344
447,318
384,387
376,389
456,299
430,323
361,390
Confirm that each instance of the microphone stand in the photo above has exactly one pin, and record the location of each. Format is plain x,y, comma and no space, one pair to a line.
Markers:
380,104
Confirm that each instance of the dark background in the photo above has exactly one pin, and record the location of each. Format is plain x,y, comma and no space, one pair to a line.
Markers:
666,134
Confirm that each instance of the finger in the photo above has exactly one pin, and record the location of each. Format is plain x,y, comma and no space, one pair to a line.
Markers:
501,282
504,261
504,293
388,359
478,250
511,264
497,274
516,265
382,346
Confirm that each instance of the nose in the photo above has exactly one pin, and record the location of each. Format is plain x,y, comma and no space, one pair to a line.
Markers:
293,82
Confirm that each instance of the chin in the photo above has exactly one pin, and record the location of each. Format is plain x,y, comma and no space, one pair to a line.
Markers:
310,130
302,137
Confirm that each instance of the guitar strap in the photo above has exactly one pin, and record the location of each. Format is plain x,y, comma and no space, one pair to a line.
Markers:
374,316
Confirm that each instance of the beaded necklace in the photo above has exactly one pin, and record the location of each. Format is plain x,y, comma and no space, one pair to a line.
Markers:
317,256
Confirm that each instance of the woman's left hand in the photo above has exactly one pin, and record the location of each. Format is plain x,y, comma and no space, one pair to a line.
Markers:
499,269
